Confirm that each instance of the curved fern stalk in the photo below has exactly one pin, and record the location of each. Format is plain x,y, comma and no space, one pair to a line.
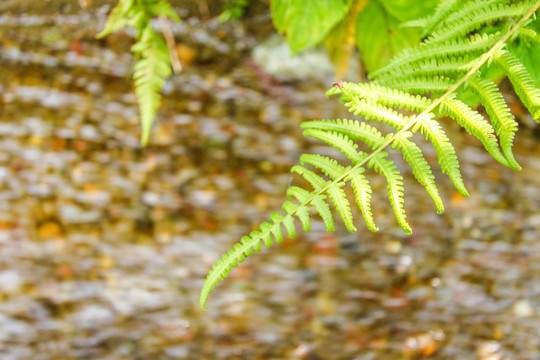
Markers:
153,66
378,105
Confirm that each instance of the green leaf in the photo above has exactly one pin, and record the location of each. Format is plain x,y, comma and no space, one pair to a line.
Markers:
530,58
379,37
406,10
306,22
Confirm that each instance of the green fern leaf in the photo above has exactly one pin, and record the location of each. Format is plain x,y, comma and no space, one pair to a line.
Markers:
502,119
153,66
459,57
116,19
421,85
444,8
451,67
475,124
376,112
354,130
338,197
521,80
446,153
529,36
465,8
149,75
341,142
387,168
472,46
385,96
333,169
315,180
476,19
420,167
362,193
164,9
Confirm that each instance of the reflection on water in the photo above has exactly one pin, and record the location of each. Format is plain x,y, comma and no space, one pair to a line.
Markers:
104,246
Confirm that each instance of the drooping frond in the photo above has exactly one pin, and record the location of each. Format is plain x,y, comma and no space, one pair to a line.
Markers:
394,189
153,66
414,93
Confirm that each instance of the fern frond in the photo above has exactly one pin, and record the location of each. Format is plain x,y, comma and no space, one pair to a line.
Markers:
476,19
521,80
446,153
332,131
385,96
250,244
315,180
318,202
530,36
374,111
466,8
117,18
451,67
362,193
354,130
472,46
501,118
420,167
332,169
475,124
149,75
154,65
422,84
460,57
394,189
341,142
444,8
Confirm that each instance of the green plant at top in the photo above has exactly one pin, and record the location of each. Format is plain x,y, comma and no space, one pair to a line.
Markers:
153,65
455,58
